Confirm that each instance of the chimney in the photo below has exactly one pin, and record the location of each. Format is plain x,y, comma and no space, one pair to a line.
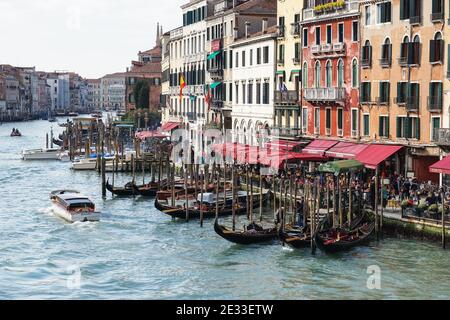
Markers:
247,29
264,25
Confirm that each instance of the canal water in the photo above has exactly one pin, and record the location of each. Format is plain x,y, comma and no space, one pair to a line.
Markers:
136,252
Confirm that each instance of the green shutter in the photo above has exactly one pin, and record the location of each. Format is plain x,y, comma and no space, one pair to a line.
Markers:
402,9
399,131
380,126
388,127
418,128
432,50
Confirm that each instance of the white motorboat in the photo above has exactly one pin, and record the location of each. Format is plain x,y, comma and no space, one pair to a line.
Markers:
41,154
72,206
89,163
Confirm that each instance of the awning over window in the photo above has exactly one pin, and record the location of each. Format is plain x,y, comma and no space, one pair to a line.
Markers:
215,84
345,150
375,154
343,166
169,126
284,145
214,54
278,161
150,134
319,146
442,166
295,73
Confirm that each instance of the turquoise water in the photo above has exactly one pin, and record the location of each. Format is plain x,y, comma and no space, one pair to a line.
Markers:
136,252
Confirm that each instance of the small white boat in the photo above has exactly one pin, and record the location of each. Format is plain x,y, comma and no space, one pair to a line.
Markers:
72,206
89,164
41,154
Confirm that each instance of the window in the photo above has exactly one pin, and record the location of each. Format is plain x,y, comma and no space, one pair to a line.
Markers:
340,32
404,51
329,34
231,92
305,120
408,128
317,36
243,93
415,11
243,59
297,53
355,122
383,127
366,57
385,89
266,93
305,38
316,120
281,53
231,59
258,93
251,57
328,121
413,98
404,9
266,55
365,95
436,98
329,75
386,53
384,12
366,125
355,31
414,50
435,126
437,49
258,56
355,73
402,92
305,75
317,75
368,15
340,79
250,93
340,121
237,94
437,10
237,60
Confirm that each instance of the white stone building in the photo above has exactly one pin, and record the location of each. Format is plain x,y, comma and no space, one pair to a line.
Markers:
253,80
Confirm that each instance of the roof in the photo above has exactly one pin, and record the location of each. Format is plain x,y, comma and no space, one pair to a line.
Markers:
375,154
154,51
442,166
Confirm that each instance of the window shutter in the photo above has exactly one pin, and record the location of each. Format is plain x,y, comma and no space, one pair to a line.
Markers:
433,51
402,9
417,133
399,132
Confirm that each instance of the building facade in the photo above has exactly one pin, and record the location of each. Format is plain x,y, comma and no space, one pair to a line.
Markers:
113,89
253,84
402,78
94,97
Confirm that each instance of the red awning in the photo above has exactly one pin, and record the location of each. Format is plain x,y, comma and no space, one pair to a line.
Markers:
150,134
442,166
319,146
375,154
278,161
346,150
284,145
169,126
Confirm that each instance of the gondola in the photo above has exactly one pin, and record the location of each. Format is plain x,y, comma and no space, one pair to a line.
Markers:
296,238
146,190
127,190
253,235
16,134
58,142
209,209
332,240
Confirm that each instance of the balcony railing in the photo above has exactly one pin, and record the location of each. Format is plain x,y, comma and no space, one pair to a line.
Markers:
415,20
281,31
217,105
315,12
216,73
403,61
442,137
366,63
327,48
412,103
383,100
435,104
385,62
286,132
325,94
295,29
339,47
315,49
437,17
286,97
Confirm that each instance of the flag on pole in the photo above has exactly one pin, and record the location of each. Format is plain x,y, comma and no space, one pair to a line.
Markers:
208,96
182,86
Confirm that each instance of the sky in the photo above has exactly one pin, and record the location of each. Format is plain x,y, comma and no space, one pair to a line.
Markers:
89,37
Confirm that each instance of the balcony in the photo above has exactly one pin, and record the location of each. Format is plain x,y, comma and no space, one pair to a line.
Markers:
284,132
327,48
339,47
281,31
442,137
366,63
295,29
191,116
403,61
415,20
385,62
217,105
316,49
435,104
383,101
334,8
437,17
216,73
325,94
286,97
412,103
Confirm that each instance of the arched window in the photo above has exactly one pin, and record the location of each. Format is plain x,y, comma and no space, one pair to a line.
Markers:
414,56
355,73
404,51
340,79
366,59
317,75
437,48
386,53
329,75
305,75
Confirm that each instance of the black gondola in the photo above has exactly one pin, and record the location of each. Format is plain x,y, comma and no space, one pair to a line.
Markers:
296,238
147,190
332,240
127,190
254,234
58,142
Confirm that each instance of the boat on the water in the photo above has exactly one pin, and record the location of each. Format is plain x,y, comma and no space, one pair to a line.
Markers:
73,114
208,207
41,154
16,134
332,240
127,190
72,206
97,115
253,234
296,238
